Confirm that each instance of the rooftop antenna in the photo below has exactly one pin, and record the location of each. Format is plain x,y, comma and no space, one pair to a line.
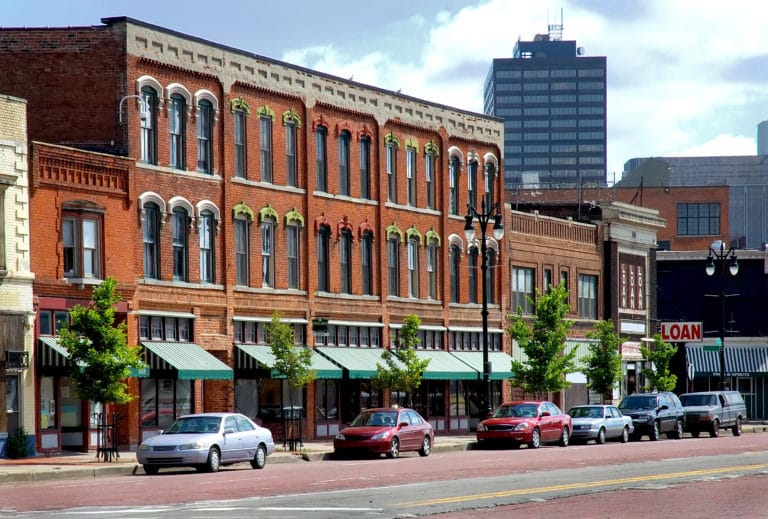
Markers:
556,30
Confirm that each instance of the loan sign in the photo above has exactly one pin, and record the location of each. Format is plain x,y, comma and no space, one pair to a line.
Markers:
681,332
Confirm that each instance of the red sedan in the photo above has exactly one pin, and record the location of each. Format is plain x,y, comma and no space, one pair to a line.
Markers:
529,422
388,430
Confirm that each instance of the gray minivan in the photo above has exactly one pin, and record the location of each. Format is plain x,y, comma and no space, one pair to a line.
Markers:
714,410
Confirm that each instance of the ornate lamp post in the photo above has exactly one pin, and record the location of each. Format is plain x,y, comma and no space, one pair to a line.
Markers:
483,217
716,260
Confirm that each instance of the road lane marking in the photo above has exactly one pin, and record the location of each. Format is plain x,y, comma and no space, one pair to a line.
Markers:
572,486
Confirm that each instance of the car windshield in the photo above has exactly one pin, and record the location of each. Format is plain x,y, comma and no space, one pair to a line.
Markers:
638,402
194,424
375,418
517,410
692,400
586,412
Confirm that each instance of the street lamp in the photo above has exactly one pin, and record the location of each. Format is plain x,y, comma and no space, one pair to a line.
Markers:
483,217
716,260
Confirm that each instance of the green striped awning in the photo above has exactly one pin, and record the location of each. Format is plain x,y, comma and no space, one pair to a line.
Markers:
501,363
359,362
739,360
445,366
189,360
252,356
52,354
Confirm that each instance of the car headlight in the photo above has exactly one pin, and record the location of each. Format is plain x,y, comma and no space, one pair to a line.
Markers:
340,437
522,426
380,436
193,446
144,447
481,428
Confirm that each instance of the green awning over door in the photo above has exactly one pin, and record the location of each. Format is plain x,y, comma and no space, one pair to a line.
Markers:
190,361
501,363
359,362
445,366
252,356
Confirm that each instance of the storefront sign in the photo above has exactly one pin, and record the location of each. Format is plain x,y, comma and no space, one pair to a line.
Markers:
630,350
681,332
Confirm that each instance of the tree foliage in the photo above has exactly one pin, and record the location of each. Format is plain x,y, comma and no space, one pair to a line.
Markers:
659,377
293,362
99,349
603,362
403,369
544,344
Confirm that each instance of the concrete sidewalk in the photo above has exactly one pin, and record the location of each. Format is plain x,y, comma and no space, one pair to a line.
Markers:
72,465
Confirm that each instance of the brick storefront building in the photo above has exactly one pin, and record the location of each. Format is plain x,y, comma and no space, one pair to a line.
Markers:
218,186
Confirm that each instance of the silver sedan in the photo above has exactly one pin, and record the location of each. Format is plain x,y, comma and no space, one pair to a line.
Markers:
207,441
599,423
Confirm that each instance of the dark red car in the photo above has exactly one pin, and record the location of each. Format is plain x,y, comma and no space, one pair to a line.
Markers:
530,422
388,430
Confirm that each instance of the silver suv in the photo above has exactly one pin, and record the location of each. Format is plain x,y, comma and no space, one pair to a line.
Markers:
713,410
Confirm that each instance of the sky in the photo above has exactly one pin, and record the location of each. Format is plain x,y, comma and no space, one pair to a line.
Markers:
685,77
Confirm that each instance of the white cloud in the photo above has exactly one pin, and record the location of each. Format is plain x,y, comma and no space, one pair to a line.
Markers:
721,145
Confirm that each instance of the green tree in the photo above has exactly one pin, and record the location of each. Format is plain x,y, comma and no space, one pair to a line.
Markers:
99,349
544,344
659,356
292,362
603,362
403,369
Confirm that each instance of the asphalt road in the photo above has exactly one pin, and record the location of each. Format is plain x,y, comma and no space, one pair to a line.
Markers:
491,483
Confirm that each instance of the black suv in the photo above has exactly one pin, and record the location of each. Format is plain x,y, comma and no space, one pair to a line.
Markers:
654,413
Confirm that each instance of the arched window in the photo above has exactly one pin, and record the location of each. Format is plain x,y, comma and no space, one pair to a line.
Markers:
366,253
268,253
321,142
180,224
413,267
292,246
453,182
323,241
429,173
242,249
176,126
432,264
345,253
472,183
345,139
149,125
473,271
206,229
393,264
151,238
265,147
205,136
365,167
241,144
410,173
455,259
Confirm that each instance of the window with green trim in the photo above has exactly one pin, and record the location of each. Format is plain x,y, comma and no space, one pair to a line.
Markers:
242,250
292,246
410,173
391,172
393,264
265,148
268,253
291,176
240,143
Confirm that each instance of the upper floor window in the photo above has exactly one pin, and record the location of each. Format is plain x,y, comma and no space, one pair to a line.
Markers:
490,177
473,274
292,247
393,264
455,258
587,296
522,290
323,274
151,238
413,267
547,281
242,250
391,172
177,129
490,276
205,136
249,332
206,230
453,184
265,147
240,143
180,226
148,126
432,263
290,154
366,257
429,167
344,142
698,219
51,321
345,253
321,137
410,173
472,183
268,253
81,229
165,328
365,167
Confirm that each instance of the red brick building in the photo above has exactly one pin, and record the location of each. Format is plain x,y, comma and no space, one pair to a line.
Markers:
218,187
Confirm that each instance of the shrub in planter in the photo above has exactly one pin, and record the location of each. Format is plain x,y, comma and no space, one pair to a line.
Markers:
17,446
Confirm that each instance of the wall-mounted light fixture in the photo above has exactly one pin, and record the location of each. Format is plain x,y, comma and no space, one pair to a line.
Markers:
143,108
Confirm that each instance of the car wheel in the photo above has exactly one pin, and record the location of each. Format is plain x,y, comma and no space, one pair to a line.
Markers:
600,439
678,432
737,427
260,458
714,431
535,442
426,446
695,433
394,448
150,469
214,460
565,437
625,435
655,434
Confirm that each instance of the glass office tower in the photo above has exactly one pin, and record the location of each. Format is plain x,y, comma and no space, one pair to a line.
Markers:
553,102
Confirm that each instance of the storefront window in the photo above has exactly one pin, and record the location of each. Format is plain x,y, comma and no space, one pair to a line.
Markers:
47,403
327,400
71,409
163,399
458,405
